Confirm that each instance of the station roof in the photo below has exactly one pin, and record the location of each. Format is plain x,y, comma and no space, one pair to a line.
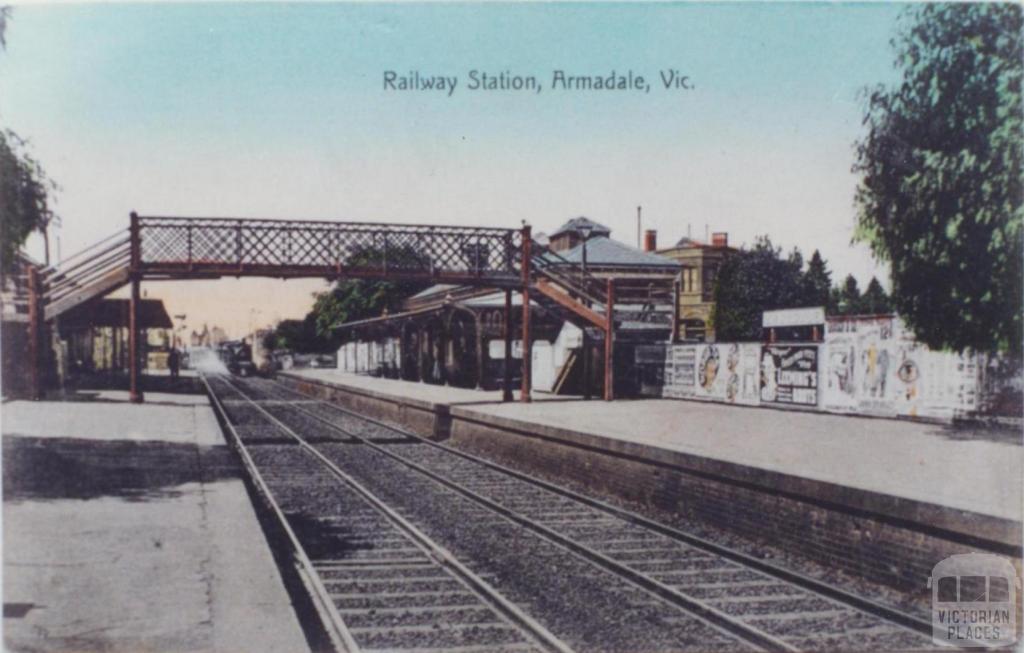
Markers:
114,313
574,225
605,252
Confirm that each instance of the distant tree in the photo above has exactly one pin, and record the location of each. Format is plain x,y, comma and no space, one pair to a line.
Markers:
358,299
835,299
875,300
817,281
849,297
350,300
940,195
299,336
749,283
796,259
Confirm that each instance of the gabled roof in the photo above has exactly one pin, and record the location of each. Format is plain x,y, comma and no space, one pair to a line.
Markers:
686,241
433,290
114,313
605,252
575,224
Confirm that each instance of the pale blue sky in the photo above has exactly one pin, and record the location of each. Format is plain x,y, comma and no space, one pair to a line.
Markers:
279,110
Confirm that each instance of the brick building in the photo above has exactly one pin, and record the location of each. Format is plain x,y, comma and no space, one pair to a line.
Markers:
700,263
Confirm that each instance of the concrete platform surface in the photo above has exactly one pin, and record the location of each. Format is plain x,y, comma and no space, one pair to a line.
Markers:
965,468
420,392
128,528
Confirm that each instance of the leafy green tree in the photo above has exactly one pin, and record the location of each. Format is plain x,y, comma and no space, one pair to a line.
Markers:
940,196
817,281
25,188
875,300
300,336
751,282
359,299
350,300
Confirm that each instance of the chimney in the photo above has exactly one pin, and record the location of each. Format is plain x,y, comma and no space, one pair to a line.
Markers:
720,239
650,240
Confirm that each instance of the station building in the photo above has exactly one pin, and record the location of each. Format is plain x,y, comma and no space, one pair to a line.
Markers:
700,263
455,335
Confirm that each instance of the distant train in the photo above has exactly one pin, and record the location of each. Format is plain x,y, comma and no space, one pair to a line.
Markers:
237,357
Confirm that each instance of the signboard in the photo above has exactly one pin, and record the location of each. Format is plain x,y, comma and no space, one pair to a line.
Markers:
792,317
647,354
789,374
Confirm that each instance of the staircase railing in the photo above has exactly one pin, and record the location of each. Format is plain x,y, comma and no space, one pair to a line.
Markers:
86,267
567,274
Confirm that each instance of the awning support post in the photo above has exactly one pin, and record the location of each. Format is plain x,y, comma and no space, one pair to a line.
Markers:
506,386
609,342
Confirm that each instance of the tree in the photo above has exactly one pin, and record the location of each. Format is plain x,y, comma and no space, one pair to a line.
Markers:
817,282
749,283
874,300
849,298
358,299
350,300
299,336
940,196
25,188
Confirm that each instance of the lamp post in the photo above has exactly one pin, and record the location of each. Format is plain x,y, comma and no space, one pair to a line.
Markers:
584,230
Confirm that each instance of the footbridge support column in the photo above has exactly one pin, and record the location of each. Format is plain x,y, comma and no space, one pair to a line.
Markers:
135,391
35,333
527,342
506,384
609,342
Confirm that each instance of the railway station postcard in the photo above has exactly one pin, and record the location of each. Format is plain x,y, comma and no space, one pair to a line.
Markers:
466,327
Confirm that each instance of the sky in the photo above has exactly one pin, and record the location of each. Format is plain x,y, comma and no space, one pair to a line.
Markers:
280,110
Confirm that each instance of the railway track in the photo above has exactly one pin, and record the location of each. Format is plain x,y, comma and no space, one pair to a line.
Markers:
376,581
688,594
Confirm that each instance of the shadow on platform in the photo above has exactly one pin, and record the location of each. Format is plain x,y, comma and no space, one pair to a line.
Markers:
37,468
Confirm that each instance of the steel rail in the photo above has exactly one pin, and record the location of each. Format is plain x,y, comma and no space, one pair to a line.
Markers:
513,613
806,582
335,627
704,612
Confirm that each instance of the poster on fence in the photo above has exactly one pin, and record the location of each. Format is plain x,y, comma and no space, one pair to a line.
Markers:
727,372
874,366
789,374
680,371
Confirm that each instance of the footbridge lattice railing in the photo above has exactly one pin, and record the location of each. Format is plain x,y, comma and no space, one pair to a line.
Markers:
184,247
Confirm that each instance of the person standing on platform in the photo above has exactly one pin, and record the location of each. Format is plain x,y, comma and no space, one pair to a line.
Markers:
174,362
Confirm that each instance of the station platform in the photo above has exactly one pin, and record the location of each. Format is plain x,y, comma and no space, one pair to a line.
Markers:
901,494
128,527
